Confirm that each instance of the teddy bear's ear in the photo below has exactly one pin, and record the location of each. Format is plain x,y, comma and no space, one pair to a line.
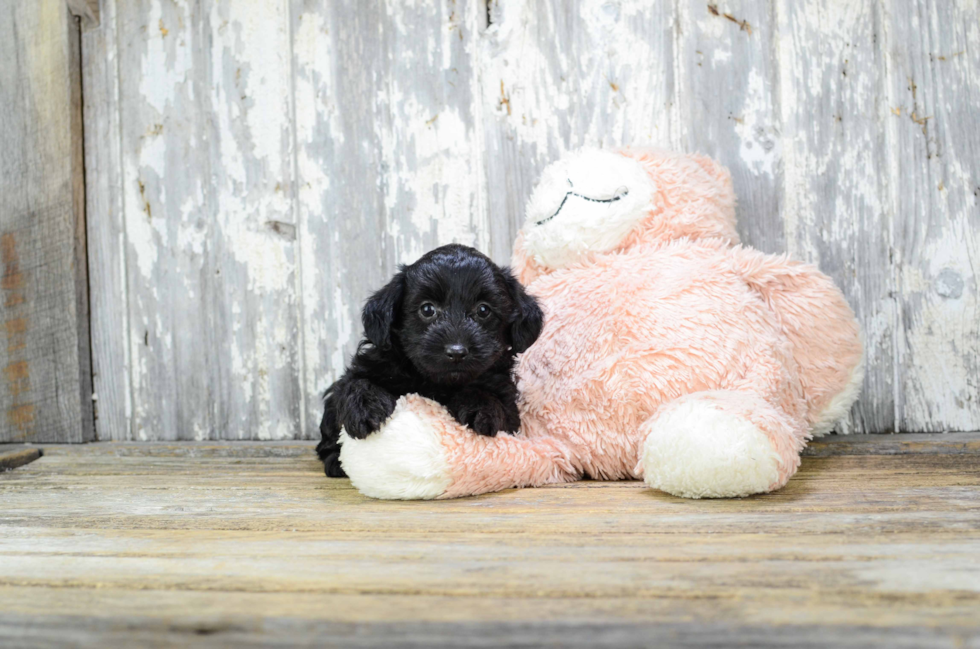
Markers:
527,318
380,311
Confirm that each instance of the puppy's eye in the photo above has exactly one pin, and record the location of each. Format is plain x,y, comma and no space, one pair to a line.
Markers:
483,311
427,310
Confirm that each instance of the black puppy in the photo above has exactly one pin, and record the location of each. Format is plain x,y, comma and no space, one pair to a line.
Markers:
447,327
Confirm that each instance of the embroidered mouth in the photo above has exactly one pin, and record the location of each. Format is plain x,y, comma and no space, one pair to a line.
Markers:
620,193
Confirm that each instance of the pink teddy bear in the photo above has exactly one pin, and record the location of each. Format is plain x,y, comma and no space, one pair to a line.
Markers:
669,352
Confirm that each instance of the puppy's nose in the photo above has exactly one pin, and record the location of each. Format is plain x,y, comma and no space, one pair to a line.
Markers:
456,352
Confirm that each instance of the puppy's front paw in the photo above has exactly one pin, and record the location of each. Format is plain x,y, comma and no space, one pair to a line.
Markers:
486,418
484,413
487,422
364,410
362,423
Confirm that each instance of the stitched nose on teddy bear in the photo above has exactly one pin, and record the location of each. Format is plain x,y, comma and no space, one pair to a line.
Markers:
619,193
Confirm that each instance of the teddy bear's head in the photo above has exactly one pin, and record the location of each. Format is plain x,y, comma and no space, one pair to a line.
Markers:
594,201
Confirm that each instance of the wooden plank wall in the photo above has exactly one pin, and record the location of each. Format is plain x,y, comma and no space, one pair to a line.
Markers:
261,167
45,375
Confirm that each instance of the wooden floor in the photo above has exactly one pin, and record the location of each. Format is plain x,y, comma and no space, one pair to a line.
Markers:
875,543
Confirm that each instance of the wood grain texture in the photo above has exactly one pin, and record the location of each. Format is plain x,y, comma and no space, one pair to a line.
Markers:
15,457
207,247
277,162
932,54
344,253
143,631
900,444
45,376
252,303
244,543
164,127
835,167
108,271
728,95
87,12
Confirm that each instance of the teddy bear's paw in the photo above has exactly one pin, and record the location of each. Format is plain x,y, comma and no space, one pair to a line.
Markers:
403,460
696,449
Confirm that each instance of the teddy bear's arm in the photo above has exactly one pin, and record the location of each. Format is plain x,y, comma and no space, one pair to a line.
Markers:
421,452
820,326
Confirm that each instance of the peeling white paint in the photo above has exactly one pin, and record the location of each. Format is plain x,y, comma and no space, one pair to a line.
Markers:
721,56
342,341
438,190
428,149
260,208
139,229
760,147
167,61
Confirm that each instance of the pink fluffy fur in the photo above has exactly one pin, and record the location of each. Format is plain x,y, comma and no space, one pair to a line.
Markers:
678,321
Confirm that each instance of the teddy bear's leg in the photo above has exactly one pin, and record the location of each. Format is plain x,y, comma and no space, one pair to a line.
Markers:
821,328
421,453
720,444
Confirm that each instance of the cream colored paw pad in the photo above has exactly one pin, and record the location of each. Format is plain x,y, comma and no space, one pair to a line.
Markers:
697,450
404,460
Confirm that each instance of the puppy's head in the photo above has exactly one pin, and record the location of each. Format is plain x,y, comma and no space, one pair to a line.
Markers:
454,313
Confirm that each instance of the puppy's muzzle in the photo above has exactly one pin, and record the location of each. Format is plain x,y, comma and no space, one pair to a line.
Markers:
456,352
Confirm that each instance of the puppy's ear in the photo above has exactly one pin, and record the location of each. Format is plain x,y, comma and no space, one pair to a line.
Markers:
380,311
528,317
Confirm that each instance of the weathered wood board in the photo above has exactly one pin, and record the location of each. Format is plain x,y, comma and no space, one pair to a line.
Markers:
17,456
835,173
263,168
932,53
874,543
108,298
45,375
